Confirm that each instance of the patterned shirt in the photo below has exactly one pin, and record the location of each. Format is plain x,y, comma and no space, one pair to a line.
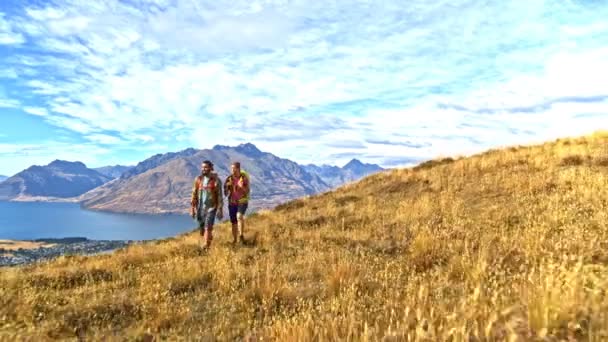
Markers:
206,193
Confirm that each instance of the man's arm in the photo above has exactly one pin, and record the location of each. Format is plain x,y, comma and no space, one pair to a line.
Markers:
194,198
220,200
227,186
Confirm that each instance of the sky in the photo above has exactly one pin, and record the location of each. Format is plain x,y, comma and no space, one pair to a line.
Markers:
111,82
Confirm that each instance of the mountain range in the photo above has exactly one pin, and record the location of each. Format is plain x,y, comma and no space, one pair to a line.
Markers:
113,171
335,176
2,178
59,179
163,182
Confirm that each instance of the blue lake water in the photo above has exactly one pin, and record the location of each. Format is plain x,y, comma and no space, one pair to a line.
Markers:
37,220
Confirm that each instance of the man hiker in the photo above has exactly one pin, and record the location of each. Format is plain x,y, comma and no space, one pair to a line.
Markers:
236,188
207,201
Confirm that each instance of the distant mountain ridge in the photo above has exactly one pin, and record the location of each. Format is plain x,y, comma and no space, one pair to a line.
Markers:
2,178
156,160
113,171
60,179
336,176
162,183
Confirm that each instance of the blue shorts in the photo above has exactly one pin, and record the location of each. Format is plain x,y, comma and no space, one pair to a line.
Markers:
234,208
206,219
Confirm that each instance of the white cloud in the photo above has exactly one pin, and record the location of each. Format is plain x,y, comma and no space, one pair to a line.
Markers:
22,156
103,139
36,111
46,14
9,103
8,34
8,73
43,88
440,75
70,122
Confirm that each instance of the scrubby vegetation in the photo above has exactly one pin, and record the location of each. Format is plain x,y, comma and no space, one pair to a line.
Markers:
510,244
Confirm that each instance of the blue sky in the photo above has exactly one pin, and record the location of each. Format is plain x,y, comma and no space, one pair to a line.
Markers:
114,82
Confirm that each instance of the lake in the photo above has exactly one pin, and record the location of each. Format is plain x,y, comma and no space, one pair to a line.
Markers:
37,220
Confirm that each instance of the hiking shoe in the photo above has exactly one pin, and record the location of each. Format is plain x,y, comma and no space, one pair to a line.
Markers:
202,250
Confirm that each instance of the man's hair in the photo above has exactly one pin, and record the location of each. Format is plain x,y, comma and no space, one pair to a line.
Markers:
208,162
237,164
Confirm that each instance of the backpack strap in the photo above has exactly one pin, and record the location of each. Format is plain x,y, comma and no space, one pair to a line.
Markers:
214,180
227,185
195,191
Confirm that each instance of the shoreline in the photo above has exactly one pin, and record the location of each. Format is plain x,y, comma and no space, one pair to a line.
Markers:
94,209
46,199
257,204
21,252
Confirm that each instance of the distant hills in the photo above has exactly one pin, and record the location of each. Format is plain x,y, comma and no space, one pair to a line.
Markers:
335,176
59,179
113,171
162,183
2,178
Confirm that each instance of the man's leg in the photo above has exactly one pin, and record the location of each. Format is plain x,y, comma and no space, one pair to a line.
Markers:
242,208
232,211
208,236
210,220
201,226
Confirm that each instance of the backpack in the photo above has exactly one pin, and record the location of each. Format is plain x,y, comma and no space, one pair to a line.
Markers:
228,186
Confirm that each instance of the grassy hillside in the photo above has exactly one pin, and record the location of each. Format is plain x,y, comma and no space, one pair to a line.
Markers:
508,245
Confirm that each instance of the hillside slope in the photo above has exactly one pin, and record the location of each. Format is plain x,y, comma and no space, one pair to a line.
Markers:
507,245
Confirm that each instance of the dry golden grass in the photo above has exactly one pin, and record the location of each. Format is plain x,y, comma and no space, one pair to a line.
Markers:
13,245
508,245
